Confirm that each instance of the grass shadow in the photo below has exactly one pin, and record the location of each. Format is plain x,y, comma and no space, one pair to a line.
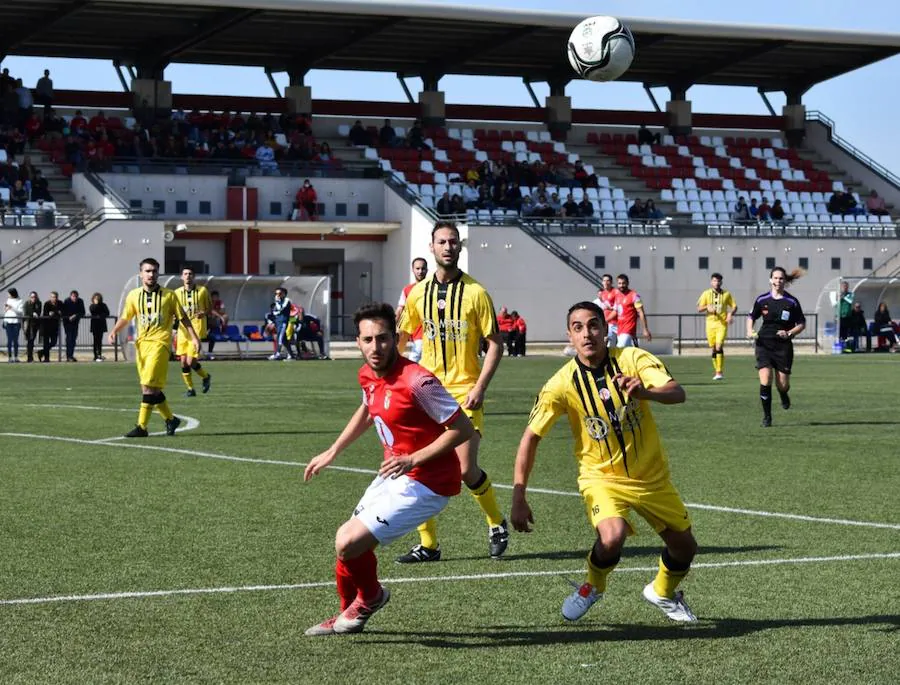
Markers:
627,553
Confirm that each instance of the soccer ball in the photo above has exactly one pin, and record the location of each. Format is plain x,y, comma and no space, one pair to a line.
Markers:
601,48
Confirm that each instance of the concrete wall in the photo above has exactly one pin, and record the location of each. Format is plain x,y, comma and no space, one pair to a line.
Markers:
212,252
96,263
194,189
15,240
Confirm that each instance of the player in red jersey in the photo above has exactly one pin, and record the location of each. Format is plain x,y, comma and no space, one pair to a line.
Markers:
629,308
419,425
420,271
606,300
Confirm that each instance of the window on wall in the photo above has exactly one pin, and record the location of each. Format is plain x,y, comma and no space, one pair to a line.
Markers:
340,209
362,209
737,263
669,263
634,262
599,261
181,207
835,263
867,263
205,207
770,262
320,208
275,208
703,263
159,206
803,262
136,204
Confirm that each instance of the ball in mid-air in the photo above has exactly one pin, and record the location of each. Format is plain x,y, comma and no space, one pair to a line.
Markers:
601,48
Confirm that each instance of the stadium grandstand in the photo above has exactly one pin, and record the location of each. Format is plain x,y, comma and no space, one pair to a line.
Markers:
219,182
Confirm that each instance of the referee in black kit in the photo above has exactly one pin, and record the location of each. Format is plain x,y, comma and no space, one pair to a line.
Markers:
782,319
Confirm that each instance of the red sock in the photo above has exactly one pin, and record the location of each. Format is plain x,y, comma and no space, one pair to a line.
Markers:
346,588
364,570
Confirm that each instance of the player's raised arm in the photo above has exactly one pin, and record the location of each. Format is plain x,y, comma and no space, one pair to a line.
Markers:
357,425
520,515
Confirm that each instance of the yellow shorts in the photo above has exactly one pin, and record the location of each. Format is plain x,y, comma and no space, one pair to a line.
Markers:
475,415
152,363
659,504
185,345
715,334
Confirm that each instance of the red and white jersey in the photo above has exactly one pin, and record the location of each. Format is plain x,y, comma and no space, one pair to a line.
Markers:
607,301
417,334
627,305
411,409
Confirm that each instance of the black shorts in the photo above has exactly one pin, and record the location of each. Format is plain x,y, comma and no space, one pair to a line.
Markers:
774,354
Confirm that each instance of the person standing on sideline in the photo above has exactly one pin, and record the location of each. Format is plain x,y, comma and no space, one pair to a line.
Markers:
281,316
31,324
629,308
13,315
517,335
155,310
51,316
606,300
72,313
456,313
197,304
622,466
420,271
419,424
719,307
782,319
845,312
99,314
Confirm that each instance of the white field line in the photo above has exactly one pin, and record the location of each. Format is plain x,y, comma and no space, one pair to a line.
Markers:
434,579
501,486
190,422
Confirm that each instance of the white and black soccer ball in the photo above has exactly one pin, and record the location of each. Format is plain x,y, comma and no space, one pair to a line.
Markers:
601,48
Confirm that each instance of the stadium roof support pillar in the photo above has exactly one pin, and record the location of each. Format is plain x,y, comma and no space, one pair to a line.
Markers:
678,110
558,106
152,96
794,116
431,101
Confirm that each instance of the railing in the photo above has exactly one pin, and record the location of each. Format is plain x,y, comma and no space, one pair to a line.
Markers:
851,149
54,329
688,331
403,190
244,167
571,260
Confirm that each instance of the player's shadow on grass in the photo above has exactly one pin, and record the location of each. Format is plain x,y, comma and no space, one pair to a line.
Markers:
587,632
627,552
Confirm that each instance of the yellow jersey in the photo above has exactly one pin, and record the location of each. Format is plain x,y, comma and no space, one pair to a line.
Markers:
616,439
454,316
194,302
154,311
722,301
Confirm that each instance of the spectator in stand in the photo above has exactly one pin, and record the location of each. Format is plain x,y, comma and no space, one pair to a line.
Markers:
884,326
542,207
31,324
72,313
13,315
325,154
52,313
26,103
753,209
457,205
741,212
18,196
265,155
73,152
583,177
387,136
444,206
78,123
585,208
646,136
471,195
7,82
570,208
98,121
849,203
875,204
415,139
777,212
485,198
473,174
513,196
499,195
358,135
308,200
765,210
54,125
99,314
637,212
44,92
651,212
527,207
517,334
555,204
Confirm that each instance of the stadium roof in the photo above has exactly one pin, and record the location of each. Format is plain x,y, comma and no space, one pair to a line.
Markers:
422,39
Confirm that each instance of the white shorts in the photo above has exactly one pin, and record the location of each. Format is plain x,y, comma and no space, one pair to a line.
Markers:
392,507
415,354
611,335
625,340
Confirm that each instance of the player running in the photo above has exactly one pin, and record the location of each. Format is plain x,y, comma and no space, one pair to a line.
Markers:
629,308
719,307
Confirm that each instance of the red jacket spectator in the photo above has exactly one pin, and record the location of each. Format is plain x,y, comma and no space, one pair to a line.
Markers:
308,199
504,321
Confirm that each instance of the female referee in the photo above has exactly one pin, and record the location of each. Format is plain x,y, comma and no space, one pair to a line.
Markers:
782,319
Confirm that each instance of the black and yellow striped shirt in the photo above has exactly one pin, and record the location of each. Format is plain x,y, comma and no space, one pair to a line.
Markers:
454,316
615,439
154,312
196,304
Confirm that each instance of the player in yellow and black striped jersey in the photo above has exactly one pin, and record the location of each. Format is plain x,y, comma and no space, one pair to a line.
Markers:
622,466
719,307
197,304
456,313
154,310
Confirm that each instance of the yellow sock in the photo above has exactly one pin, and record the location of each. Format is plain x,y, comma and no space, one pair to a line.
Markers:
144,415
188,381
668,579
428,534
164,410
483,493
720,361
597,576
203,373
715,362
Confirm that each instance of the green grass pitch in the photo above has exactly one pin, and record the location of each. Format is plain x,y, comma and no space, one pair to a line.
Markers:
239,551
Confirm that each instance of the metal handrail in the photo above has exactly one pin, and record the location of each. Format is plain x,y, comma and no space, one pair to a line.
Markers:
852,150
563,254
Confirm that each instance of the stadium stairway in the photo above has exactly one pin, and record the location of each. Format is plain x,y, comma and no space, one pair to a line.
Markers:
60,185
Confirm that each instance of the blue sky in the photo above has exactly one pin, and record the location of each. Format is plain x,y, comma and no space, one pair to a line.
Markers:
863,103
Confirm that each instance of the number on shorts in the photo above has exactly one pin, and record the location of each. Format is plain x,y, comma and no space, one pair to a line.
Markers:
384,433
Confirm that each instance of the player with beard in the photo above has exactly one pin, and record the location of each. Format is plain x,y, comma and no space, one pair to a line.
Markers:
420,270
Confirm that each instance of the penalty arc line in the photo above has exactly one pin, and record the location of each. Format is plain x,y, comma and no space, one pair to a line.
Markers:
430,579
501,486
